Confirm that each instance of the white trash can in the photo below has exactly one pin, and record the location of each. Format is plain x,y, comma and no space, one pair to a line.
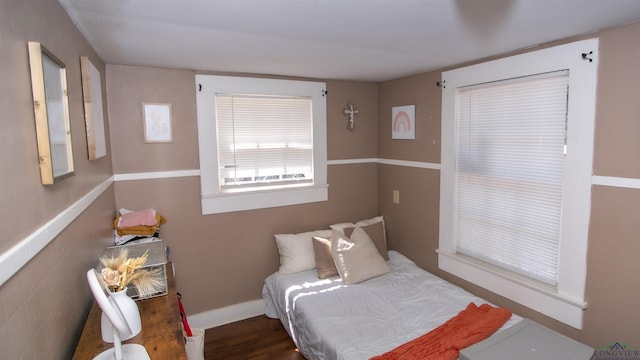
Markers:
194,344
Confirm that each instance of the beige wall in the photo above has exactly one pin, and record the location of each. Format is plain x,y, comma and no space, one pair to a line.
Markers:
223,259
236,243
128,87
612,268
612,286
618,109
413,223
43,305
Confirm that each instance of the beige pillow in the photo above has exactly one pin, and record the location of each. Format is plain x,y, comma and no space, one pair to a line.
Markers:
356,258
373,221
324,261
376,234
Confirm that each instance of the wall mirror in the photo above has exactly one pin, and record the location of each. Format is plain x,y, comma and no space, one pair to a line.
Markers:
51,108
93,117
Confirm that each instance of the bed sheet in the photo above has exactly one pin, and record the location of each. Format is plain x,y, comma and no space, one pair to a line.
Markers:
328,320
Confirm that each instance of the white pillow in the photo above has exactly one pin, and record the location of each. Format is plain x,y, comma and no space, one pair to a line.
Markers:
357,258
296,251
341,226
370,221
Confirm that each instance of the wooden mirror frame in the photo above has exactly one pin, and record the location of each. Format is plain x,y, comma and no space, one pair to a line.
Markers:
93,116
51,109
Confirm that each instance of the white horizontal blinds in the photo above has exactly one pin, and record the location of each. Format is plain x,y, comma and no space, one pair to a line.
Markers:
264,140
511,137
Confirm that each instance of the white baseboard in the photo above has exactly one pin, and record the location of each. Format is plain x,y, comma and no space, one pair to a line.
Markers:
227,314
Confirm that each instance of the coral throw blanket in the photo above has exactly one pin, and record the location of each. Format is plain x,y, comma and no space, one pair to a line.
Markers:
470,326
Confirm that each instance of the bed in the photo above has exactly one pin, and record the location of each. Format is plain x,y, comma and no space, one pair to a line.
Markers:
329,320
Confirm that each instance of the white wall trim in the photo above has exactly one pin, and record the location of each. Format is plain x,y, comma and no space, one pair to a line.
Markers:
352,161
228,202
156,175
601,180
14,259
613,181
227,314
414,164
196,172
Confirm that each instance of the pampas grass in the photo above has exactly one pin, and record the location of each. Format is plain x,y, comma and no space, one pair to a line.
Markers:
120,271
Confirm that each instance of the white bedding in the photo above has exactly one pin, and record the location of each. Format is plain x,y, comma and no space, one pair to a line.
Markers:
328,320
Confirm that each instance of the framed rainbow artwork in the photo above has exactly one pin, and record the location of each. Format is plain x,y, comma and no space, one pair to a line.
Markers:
403,122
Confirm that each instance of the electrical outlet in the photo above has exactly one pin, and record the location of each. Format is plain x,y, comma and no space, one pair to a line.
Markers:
396,196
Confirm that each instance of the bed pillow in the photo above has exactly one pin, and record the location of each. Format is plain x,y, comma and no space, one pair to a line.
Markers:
373,220
324,260
361,223
341,226
376,234
356,258
296,251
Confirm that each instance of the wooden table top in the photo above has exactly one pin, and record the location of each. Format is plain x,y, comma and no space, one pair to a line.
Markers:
161,331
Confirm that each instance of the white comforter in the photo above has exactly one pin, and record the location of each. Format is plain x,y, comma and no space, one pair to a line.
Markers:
328,320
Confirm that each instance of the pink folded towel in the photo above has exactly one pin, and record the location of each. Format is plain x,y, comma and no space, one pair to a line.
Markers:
145,217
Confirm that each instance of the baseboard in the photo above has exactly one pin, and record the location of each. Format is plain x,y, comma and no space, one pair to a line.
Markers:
227,314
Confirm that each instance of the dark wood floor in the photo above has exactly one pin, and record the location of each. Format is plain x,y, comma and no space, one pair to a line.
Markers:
256,338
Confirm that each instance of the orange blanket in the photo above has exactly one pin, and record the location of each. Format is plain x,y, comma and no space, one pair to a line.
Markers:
470,326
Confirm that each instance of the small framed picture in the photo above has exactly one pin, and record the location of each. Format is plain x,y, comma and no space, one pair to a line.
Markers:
157,123
403,122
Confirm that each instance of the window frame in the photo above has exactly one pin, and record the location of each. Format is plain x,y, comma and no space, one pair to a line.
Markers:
213,199
564,302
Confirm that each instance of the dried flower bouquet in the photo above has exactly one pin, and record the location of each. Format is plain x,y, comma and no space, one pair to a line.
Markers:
120,271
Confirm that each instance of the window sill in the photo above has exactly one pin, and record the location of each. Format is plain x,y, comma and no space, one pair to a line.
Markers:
239,201
539,297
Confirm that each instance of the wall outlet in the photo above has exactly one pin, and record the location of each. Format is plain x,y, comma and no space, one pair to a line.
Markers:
396,196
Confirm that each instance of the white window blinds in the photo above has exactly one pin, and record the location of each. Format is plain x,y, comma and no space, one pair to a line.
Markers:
264,141
511,139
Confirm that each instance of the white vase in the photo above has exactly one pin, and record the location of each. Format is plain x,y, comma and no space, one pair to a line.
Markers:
130,314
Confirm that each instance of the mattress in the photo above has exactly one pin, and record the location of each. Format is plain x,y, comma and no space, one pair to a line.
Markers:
329,320
530,341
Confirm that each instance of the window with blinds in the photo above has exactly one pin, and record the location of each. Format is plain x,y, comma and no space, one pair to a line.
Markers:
264,141
511,149
515,176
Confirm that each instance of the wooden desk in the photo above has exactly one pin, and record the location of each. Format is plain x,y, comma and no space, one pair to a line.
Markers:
161,331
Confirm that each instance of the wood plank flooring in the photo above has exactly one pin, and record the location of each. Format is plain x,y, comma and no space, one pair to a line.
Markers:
256,338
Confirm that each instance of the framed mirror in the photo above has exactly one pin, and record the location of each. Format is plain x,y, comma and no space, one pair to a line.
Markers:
93,117
51,108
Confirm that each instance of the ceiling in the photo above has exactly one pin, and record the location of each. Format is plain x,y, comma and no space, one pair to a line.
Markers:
371,40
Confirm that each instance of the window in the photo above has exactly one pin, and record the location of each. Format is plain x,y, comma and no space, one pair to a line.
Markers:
517,137
511,137
262,142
